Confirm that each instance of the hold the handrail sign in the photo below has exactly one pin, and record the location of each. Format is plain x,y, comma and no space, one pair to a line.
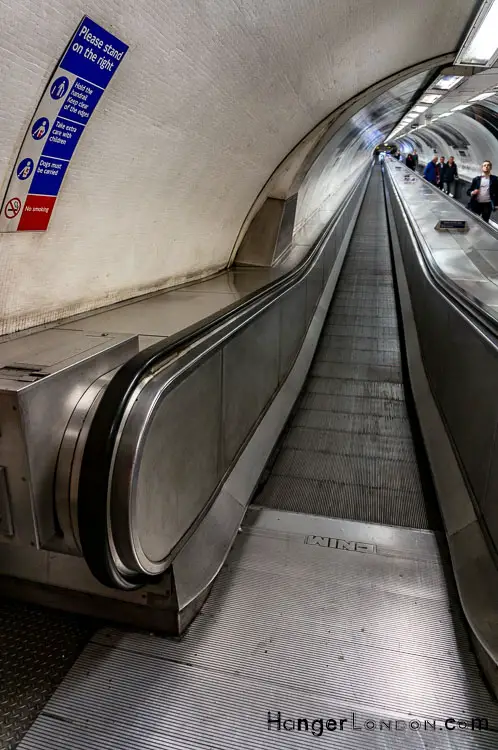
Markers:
455,225
89,62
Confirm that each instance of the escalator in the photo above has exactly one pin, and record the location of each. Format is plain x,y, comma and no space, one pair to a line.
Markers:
349,450
336,615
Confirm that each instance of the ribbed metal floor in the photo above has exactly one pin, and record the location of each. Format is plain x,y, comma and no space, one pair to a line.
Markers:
297,629
348,452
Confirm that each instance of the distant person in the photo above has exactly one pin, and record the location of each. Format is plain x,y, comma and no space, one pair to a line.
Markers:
450,175
410,162
430,171
484,192
415,157
441,166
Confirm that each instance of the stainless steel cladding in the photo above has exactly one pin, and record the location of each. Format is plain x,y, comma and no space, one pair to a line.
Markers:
149,524
42,379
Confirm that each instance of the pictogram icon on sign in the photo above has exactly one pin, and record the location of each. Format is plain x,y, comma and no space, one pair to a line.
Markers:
40,128
25,168
59,87
12,208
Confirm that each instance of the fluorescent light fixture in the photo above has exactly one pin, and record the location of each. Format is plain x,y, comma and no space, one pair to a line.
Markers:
459,106
481,45
480,97
430,98
447,82
419,109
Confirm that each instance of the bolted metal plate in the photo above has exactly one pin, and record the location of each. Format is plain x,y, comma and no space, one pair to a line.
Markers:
37,648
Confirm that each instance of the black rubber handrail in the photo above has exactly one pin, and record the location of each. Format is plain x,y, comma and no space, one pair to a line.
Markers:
96,465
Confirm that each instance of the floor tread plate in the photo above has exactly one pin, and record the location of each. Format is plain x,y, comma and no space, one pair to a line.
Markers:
280,633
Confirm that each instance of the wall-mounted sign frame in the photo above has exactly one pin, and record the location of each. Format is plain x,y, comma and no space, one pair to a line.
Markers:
85,70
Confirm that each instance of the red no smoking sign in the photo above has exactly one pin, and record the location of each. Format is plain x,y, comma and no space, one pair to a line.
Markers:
12,208
37,212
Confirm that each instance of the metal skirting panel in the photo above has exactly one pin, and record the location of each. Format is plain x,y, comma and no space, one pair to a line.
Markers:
297,628
37,648
348,450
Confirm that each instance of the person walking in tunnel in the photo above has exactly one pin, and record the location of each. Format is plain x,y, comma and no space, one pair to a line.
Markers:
450,175
415,158
440,172
430,171
484,192
410,162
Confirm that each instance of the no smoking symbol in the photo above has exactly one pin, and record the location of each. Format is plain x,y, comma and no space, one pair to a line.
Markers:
12,208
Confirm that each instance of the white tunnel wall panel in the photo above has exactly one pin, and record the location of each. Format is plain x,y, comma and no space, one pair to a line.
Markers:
208,101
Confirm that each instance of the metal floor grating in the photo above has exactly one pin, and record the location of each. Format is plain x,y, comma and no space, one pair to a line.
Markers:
348,450
37,647
298,628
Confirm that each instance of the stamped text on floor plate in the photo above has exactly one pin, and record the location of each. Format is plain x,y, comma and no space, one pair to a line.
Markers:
325,541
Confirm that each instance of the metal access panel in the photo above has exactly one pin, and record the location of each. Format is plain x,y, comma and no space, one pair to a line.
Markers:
42,378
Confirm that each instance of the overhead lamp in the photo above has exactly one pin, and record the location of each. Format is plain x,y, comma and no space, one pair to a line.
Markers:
480,97
459,106
481,44
430,98
447,82
419,109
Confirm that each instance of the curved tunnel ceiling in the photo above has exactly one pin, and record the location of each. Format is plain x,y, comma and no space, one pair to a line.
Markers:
468,138
210,99
341,161
463,123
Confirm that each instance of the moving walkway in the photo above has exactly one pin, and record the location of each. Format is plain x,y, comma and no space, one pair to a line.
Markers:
334,595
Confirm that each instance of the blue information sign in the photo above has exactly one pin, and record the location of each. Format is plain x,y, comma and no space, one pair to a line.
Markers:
82,100
59,87
94,54
76,87
40,128
63,139
25,169
48,176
